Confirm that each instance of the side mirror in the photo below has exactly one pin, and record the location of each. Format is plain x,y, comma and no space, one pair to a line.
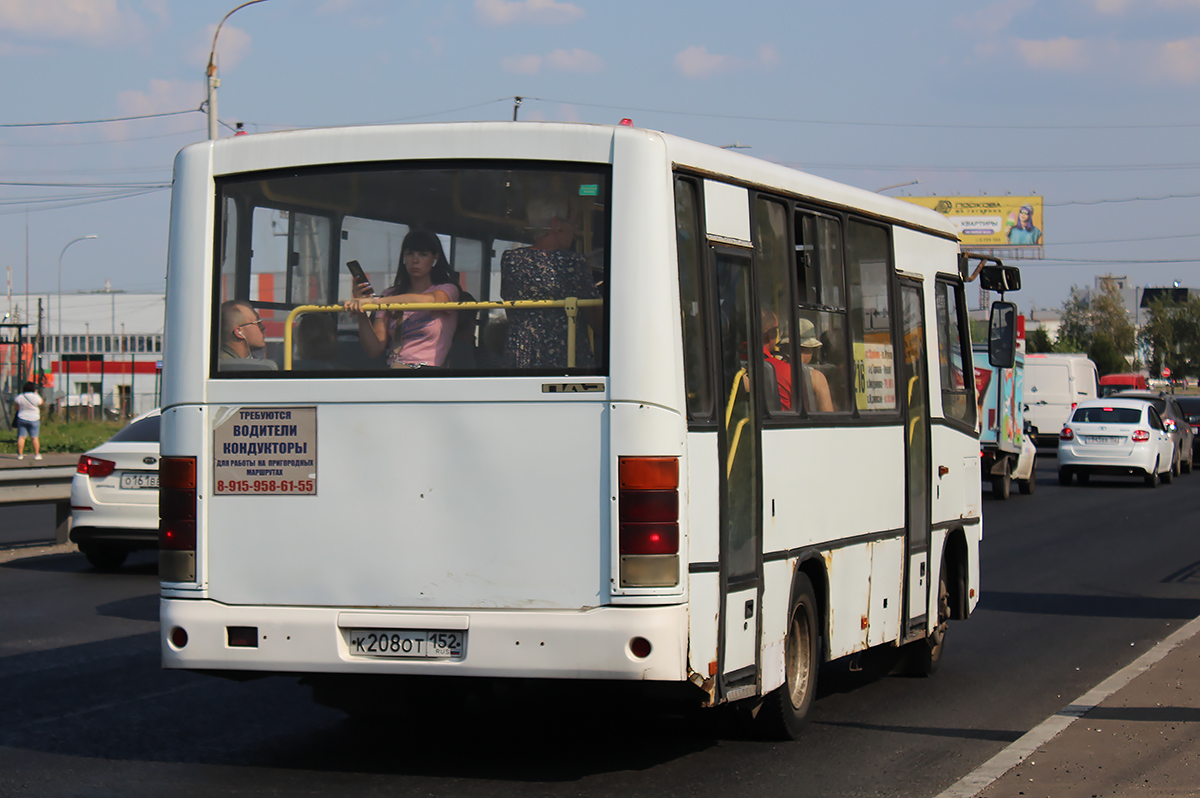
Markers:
1002,335
996,277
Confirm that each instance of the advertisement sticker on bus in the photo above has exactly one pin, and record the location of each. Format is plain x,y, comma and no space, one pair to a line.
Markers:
266,451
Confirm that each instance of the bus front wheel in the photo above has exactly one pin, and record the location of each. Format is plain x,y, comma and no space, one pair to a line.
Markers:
785,710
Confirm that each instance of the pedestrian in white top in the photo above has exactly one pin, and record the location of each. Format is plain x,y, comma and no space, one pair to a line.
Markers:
29,420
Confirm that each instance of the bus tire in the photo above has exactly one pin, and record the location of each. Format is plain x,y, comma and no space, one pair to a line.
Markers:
924,657
785,711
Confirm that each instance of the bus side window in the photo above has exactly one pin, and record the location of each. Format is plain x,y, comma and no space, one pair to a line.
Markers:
868,265
775,306
691,253
820,345
956,373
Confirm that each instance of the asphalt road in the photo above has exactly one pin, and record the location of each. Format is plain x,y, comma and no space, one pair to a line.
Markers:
1077,582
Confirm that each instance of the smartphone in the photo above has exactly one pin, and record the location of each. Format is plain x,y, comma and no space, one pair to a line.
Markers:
360,277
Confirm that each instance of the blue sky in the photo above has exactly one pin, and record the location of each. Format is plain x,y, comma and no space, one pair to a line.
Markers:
1092,104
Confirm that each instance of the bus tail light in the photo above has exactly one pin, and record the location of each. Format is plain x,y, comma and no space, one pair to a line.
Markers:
648,521
177,519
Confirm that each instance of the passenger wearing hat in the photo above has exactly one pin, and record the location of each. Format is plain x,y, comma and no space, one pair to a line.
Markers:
816,387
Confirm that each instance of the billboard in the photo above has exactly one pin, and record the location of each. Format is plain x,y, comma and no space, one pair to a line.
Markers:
990,221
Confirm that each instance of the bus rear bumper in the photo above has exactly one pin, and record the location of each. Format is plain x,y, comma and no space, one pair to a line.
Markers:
554,644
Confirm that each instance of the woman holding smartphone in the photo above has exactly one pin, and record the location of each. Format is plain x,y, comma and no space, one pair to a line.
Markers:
416,338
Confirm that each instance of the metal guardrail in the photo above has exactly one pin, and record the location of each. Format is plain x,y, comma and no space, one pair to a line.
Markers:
41,485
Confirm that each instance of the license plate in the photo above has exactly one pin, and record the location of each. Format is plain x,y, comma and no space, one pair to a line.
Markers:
415,643
139,481
1105,439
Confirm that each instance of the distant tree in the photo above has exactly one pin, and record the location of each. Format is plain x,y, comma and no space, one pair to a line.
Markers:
1110,319
1087,316
1172,335
1038,341
1103,352
1075,325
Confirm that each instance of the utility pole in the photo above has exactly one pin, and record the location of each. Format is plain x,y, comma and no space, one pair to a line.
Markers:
211,74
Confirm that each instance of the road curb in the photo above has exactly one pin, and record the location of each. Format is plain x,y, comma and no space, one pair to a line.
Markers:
989,772
26,551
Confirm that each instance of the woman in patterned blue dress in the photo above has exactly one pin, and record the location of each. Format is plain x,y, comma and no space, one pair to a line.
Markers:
550,269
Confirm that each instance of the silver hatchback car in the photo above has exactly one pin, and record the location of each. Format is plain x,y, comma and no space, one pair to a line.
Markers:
1115,436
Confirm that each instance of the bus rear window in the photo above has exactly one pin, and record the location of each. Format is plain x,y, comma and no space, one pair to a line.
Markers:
401,271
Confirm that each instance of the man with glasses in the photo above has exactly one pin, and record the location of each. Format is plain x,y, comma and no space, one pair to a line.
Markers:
241,336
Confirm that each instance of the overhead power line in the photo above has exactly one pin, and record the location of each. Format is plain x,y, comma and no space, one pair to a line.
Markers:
99,121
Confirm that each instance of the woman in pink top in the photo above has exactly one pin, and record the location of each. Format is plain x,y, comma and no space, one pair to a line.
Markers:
412,338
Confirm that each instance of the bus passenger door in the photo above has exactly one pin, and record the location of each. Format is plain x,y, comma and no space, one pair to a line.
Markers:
738,453
916,450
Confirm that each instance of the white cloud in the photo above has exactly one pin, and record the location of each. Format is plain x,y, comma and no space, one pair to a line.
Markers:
1178,61
698,62
1061,54
69,19
159,9
161,96
768,56
535,12
9,50
522,64
993,18
1117,7
576,60
232,44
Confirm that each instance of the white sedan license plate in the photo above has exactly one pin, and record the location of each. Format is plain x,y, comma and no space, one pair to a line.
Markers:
417,643
1105,439
139,481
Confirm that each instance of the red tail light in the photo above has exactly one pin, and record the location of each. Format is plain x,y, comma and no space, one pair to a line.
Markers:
1141,436
648,521
649,505
177,504
1067,434
95,466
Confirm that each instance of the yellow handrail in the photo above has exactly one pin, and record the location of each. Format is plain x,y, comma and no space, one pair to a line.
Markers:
737,436
737,379
570,305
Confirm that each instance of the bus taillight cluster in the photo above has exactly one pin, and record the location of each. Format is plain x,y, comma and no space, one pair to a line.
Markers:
648,521
177,519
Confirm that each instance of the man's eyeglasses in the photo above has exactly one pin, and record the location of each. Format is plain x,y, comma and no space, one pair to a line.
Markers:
262,325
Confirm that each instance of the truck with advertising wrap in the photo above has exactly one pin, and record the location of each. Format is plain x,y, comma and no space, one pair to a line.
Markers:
1006,453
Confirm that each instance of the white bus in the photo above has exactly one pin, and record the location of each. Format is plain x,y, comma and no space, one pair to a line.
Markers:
756,454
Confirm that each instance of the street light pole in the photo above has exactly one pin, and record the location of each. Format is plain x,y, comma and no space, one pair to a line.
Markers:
211,73
61,347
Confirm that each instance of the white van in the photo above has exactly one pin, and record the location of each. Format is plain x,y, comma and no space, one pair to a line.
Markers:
1054,384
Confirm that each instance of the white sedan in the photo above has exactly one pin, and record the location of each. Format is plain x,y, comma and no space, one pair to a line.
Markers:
1115,436
114,495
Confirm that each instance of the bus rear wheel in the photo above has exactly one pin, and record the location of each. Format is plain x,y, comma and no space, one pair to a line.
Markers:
785,711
